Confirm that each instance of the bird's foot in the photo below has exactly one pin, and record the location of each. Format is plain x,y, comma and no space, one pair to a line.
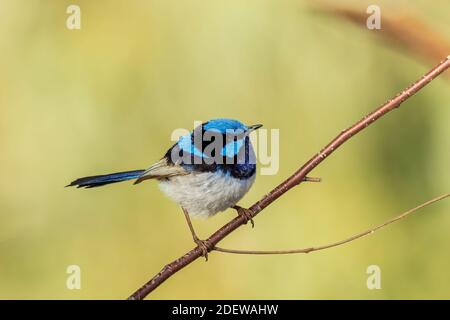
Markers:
204,246
246,213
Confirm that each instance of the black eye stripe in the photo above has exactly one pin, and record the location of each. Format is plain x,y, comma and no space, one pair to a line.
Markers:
208,139
238,168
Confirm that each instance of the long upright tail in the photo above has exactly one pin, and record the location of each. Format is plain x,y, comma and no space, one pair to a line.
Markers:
98,181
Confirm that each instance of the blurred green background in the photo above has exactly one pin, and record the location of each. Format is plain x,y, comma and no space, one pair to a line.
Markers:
107,97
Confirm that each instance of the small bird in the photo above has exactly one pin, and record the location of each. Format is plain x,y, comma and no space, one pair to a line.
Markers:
207,171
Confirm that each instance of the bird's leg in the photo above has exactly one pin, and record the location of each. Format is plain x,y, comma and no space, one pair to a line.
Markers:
245,213
201,243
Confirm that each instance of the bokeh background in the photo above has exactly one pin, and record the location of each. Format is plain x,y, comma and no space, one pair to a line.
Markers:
107,97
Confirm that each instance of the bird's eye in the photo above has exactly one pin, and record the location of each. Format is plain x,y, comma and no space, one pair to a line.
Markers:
234,135
239,132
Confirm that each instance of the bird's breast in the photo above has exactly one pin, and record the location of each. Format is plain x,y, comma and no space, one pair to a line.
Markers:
204,194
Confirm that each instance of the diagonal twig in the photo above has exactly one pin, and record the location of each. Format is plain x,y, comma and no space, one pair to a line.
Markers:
341,242
294,180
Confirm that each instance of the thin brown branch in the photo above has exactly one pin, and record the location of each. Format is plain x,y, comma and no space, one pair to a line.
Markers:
341,242
294,180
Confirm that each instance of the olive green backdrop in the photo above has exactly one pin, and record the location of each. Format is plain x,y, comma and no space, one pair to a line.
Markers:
107,97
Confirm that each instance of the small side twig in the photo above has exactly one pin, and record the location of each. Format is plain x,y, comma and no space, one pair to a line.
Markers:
341,242
291,182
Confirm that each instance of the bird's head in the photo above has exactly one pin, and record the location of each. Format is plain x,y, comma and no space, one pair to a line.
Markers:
218,138
233,133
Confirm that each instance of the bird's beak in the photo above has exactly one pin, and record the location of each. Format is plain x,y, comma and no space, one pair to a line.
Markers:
254,127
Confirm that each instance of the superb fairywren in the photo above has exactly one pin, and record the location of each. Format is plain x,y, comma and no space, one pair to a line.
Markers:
207,171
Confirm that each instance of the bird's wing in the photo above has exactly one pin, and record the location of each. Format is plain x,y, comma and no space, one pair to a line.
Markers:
162,170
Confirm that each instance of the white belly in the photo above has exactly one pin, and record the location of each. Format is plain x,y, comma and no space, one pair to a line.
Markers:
204,194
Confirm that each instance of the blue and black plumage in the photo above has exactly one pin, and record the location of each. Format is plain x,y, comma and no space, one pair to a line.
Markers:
101,180
206,171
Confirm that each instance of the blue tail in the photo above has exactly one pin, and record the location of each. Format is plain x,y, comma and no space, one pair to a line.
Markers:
98,181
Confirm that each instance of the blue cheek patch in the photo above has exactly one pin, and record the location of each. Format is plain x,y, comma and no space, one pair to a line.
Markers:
232,149
185,144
